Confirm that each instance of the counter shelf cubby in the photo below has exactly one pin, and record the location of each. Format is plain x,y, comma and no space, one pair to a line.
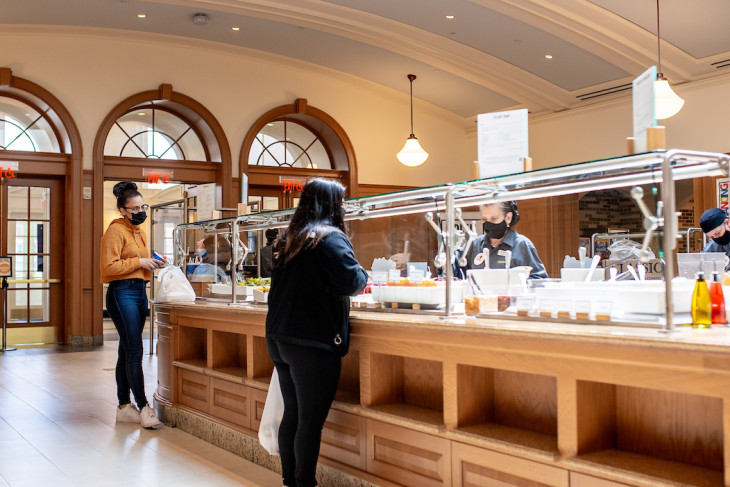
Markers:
261,366
229,353
405,387
510,407
348,389
680,438
192,346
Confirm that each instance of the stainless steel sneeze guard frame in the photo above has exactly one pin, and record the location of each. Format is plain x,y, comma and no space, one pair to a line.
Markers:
663,167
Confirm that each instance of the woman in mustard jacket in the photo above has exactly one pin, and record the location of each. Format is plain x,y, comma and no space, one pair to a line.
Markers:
127,267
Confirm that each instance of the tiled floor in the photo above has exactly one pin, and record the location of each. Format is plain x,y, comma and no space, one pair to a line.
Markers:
57,428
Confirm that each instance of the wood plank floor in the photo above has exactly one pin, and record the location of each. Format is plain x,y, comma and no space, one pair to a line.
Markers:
57,411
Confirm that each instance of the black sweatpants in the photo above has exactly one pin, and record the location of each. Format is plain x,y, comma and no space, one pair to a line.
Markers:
308,377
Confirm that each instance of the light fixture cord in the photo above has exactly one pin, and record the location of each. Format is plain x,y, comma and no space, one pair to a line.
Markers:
658,41
412,105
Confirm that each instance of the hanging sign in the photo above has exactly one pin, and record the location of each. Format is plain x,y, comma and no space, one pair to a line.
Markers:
723,196
502,142
8,169
643,101
6,267
157,176
292,183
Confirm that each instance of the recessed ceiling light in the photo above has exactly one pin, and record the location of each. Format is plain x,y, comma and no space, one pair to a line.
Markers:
141,114
235,28
141,16
270,124
548,56
450,17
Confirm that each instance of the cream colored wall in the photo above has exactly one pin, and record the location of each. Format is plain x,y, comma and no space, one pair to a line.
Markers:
600,130
92,70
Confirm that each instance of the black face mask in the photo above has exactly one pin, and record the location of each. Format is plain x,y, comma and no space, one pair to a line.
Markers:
724,239
138,218
495,230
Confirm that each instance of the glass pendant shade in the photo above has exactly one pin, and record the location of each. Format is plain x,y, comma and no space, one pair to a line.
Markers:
668,103
412,154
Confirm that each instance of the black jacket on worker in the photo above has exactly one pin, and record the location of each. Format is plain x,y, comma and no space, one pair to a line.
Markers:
309,300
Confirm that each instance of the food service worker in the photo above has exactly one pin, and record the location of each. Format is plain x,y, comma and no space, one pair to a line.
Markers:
715,224
497,221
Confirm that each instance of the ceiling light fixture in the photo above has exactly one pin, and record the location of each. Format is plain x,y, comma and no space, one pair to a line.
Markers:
235,28
141,16
412,154
450,17
141,114
667,102
548,56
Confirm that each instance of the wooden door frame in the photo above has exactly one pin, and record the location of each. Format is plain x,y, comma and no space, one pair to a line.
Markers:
66,163
56,240
217,170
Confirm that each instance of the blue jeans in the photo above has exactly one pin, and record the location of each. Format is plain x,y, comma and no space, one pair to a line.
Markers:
126,302
308,378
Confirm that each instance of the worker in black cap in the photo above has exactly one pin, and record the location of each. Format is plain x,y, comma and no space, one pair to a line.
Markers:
715,224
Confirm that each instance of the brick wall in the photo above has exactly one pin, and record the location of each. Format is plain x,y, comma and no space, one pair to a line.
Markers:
612,209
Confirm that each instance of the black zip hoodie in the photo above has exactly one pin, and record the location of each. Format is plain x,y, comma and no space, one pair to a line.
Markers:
309,300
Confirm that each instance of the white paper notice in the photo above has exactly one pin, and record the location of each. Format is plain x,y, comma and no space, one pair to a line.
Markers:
502,142
643,101
205,201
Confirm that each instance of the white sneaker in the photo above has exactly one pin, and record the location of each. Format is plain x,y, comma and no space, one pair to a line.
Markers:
128,414
148,418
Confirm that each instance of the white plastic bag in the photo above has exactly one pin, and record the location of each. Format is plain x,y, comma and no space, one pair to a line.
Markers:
271,417
174,286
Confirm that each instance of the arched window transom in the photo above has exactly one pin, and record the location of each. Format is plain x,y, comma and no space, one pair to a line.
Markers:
287,143
23,128
149,132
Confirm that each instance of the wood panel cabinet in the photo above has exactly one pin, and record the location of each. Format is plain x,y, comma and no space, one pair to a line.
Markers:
424,402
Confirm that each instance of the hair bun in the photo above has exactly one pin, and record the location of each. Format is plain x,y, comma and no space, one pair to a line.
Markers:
122,187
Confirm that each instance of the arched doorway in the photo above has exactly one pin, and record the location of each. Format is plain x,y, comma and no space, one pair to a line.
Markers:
41,213
290,144
161,132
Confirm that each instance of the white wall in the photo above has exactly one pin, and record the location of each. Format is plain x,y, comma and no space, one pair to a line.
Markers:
92,70
600,131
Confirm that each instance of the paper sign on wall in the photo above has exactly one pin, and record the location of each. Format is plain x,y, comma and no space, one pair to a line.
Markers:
643,107
502,139
205,202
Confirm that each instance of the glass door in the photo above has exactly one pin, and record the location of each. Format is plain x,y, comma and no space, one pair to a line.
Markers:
32,220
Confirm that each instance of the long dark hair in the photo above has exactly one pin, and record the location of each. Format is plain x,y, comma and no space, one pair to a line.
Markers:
320,212
124,191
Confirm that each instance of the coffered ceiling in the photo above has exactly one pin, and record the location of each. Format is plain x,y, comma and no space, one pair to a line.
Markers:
491,55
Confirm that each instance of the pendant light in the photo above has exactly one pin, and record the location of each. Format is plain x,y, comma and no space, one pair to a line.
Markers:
412,154
667,102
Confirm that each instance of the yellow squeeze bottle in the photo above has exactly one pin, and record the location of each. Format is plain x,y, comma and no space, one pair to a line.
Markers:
701,303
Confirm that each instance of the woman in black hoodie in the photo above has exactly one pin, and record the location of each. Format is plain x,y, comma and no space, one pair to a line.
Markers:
307,326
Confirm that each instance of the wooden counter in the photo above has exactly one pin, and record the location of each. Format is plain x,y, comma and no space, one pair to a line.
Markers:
428,402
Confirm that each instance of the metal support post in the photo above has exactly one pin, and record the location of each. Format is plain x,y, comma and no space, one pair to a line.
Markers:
5,316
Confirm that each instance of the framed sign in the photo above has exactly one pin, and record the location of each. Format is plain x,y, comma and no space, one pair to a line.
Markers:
6,267
723,194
